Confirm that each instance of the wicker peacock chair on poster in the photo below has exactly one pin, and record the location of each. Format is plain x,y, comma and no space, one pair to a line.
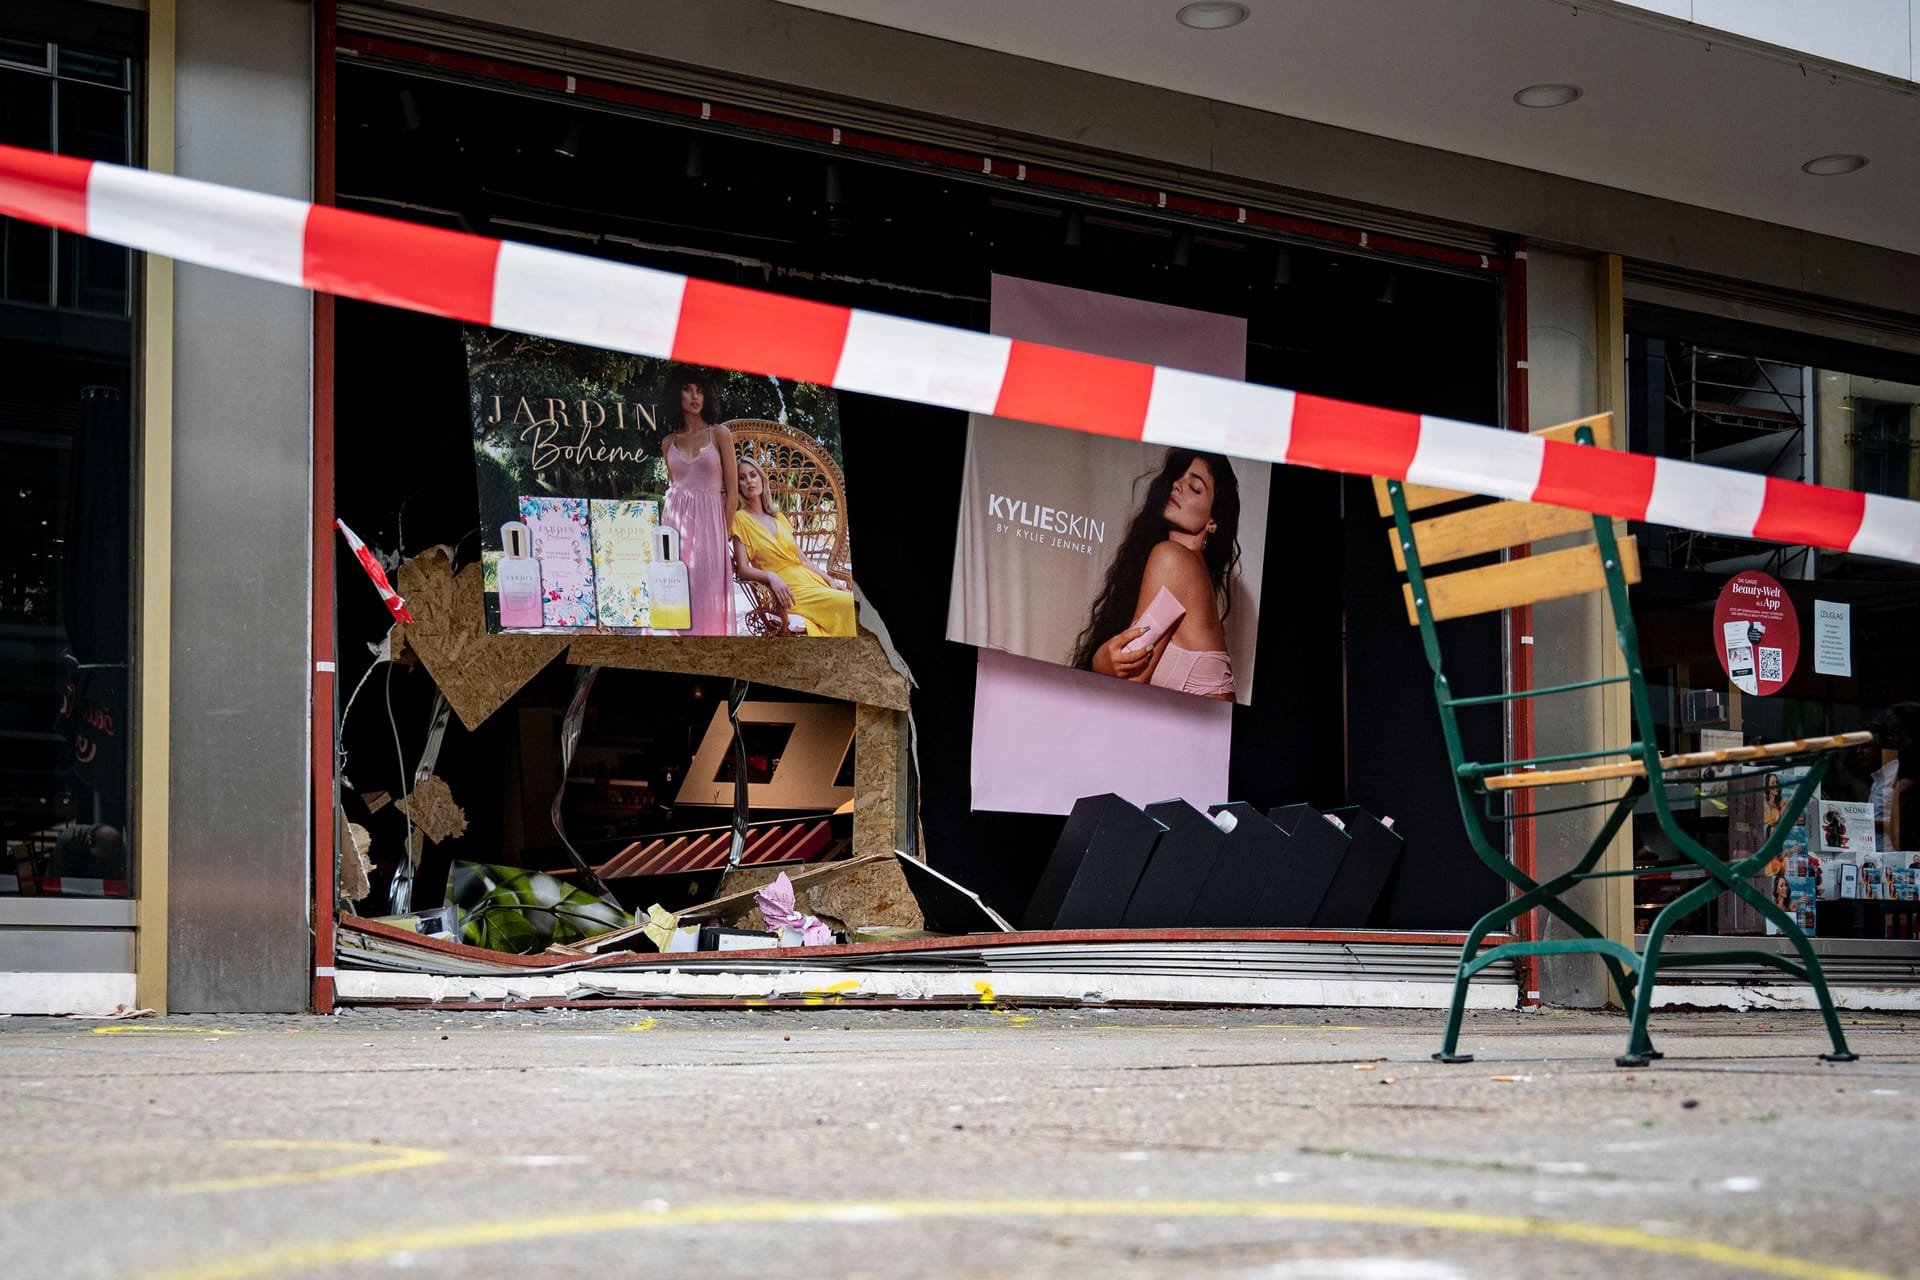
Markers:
808,488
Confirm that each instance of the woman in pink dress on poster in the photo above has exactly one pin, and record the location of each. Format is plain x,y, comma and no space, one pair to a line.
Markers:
702,495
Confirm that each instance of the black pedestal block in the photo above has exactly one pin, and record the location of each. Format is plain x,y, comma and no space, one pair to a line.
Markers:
1301,869
1370,860
1253,854
1180,865
1347,899
1095,865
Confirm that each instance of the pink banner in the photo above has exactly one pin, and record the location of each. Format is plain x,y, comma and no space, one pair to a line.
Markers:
1045,735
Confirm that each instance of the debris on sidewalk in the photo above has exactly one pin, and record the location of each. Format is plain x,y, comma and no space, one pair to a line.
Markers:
793,926
515,910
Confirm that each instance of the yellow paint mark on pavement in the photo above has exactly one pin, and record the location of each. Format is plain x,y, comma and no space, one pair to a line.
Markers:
985,990
135,1028
494,1231
390,1159
648,1025
821,995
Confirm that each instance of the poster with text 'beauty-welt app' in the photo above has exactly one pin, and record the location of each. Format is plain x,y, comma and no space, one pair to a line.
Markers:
626,495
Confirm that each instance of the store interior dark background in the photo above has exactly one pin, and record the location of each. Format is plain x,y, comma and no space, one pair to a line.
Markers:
1342,710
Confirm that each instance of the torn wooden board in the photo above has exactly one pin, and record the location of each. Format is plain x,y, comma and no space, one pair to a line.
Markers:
476,671
851,667
741,885
375,800
433,811
356,867
876,894
879,778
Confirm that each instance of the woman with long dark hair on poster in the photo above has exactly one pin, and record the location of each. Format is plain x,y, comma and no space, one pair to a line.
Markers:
1183,540
702,495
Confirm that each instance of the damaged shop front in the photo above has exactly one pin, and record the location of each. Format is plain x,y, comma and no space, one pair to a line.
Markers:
687,684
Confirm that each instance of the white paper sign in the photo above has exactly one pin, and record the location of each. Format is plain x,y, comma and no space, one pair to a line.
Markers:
1832,638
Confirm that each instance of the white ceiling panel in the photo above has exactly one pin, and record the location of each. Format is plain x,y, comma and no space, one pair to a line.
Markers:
1664,112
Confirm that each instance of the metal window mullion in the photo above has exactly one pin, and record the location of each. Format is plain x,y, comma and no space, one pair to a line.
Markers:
53,140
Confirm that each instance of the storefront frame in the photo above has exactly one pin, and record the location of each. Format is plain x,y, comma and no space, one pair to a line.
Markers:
1503,259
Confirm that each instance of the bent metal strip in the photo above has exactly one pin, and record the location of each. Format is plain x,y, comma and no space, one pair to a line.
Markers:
656,313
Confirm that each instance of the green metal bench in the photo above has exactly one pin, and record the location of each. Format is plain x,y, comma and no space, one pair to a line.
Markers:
1462,526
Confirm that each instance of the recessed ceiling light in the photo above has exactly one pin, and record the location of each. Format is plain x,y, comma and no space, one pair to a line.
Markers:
1548,95
1825,166
1212,15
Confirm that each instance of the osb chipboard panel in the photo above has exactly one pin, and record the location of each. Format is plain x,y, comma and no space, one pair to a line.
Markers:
875,894
879,780
476,671
854,668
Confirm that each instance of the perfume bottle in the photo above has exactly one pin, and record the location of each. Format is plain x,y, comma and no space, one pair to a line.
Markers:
672,608
519,577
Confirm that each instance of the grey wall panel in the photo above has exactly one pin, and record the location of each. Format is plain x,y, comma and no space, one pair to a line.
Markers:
66,951
238,936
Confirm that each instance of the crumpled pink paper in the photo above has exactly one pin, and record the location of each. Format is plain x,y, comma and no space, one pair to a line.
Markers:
776,906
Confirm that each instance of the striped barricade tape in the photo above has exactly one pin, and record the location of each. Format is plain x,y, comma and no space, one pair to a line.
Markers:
657,313
375,574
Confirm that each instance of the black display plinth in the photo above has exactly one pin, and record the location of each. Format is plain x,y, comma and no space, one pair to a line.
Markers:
1095,865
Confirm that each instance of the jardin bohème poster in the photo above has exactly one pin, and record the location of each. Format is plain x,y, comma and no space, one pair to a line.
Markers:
629,495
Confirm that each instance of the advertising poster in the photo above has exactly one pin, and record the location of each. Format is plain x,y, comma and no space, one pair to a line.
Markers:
1068,542
624,495
1756,633
1044,733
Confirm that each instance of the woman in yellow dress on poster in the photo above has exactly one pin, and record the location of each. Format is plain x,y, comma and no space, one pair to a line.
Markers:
764,552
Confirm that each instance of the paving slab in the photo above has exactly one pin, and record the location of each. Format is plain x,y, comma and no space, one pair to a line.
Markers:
839,1141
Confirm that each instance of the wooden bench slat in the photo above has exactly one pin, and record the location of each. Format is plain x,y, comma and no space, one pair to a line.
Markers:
1494,527
1572,572
1420,496
1690,760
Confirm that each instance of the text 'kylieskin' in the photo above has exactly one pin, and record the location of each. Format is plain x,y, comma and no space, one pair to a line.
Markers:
1052,519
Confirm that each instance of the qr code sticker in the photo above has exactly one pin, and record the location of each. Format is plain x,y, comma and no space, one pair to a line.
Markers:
1770,665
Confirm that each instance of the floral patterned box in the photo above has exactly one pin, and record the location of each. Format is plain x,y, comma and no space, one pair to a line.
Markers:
562,545
623,531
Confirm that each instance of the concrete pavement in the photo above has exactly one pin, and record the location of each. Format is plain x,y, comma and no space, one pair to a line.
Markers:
843,1142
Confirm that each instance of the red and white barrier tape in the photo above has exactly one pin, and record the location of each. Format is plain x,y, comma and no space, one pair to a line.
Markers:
388,596
657,313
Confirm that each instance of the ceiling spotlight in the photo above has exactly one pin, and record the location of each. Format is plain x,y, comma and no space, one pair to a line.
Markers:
1548,95
1182,248
569,144
696,160
1212,15
1283,266
835,192
1827,166
409,111
1075,230
1391,289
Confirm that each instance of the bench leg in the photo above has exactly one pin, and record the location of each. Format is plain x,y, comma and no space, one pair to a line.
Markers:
1816,976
